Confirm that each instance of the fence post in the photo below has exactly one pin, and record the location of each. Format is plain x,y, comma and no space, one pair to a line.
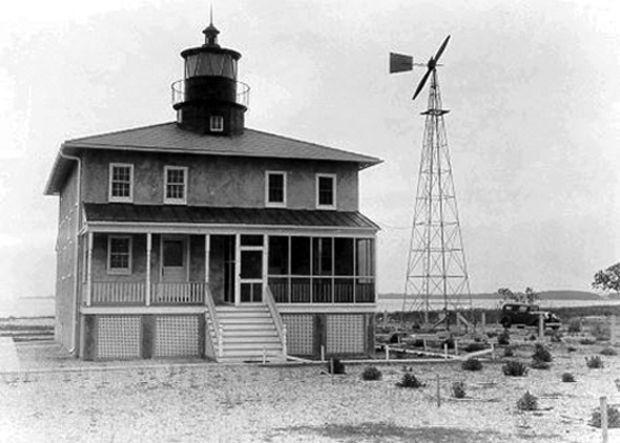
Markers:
604,418
492,351
331,369
264,355
438,393
483,320
541,327
424,342
456,347
387,352
322,352
445,352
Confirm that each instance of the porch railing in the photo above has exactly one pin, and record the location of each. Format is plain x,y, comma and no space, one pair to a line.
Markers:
134,293
320,290
112,293
182,293
277,318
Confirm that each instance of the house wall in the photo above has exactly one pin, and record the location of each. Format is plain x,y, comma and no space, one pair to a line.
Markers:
219,181
68,219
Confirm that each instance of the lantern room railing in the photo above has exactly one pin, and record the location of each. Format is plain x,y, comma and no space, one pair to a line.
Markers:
206,88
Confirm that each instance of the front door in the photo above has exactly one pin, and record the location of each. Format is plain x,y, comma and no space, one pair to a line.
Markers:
174,259
251,282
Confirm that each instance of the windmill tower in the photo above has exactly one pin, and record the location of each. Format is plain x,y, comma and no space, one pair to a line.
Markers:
436,268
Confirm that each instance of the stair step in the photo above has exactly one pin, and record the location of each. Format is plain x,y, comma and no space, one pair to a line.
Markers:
243,321
267,333
251,340
253,347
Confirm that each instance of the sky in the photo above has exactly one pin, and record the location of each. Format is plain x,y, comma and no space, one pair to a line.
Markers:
533,132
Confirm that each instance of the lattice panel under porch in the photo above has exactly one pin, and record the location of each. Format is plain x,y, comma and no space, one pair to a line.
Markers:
299,334
176,336
345,334
119,336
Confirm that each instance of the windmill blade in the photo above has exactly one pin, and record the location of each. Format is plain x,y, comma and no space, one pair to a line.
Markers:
421,84
400,62
441,48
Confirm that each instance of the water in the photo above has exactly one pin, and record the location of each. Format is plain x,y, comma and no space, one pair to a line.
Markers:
27,307
396,304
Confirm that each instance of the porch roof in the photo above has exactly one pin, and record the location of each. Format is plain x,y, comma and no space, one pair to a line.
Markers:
130,213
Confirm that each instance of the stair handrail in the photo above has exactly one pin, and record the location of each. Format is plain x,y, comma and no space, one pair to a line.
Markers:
210,305
277,318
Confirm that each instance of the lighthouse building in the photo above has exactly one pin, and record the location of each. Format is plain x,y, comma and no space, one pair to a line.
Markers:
203,238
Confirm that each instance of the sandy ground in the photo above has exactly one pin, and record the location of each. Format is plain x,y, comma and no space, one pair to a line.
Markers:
213,402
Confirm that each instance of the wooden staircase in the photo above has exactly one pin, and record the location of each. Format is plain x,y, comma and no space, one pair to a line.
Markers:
248,332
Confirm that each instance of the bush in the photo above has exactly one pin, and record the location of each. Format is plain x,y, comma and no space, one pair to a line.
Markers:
471,364
371,373
409,381
600,331
509,352
527,402
571,349
574,325
613,417
338,366
503,338
539,364
567,377
594,362
473,347
514,368
458,389
541,353
609,351
587,341
533,337
491,334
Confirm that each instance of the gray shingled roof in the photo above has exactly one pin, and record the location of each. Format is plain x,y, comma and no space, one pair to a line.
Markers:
168,137
130,213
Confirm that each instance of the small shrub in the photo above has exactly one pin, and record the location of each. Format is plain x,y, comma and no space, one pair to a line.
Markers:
574,325
556,336
471,364
527,402
533,337
474,347
594,362
509,352
609,351
571,349
541,353
409,381
567,377
613,417
371,373
458,389
587,341
338,366
600,331
503,338
514,368
491,334
539,364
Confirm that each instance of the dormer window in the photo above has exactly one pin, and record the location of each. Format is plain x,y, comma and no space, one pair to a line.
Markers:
275,189
216,123
120,183
175,185
326,191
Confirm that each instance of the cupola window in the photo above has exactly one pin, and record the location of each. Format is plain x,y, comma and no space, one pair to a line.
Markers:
216,123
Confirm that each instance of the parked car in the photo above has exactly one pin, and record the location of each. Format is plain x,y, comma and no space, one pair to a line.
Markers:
524,314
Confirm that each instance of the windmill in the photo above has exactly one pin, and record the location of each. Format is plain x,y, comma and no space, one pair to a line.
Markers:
436,268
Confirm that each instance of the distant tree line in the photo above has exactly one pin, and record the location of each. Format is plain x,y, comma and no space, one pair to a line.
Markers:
529,296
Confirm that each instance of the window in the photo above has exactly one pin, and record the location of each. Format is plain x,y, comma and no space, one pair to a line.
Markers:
121,183
275,189
216,123
175,185
326,191
119,255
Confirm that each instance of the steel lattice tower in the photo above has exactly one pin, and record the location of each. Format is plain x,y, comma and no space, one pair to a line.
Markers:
436,262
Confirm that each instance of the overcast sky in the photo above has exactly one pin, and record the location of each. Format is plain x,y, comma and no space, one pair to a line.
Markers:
534,128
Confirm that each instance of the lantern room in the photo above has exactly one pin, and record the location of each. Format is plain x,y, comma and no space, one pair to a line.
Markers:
209,99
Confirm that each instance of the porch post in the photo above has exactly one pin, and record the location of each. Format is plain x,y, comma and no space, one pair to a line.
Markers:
149,246
237,269
89,264
207,254
265,265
